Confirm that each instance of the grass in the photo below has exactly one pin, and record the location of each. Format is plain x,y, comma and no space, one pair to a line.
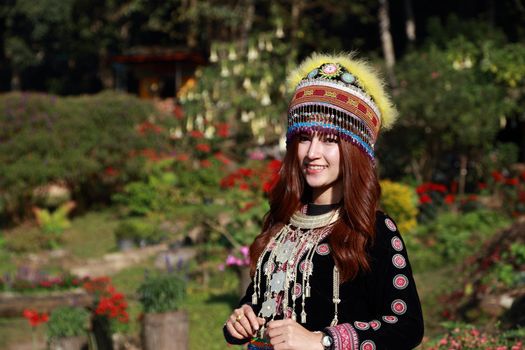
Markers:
91,235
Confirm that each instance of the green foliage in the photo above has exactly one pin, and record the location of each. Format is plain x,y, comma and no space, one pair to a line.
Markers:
89,143
400,201
54,223
451,237
508,269
140,231
67,321
451,101
162,293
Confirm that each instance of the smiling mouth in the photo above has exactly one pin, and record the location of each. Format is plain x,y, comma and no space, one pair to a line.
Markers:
314,168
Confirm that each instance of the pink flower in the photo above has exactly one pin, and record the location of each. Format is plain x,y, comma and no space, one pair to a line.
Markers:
221,267
231,260
245,251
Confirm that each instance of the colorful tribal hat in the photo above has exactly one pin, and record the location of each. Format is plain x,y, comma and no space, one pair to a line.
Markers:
338,94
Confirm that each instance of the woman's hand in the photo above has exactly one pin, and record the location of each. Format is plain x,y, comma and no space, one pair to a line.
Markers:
290,335
243,323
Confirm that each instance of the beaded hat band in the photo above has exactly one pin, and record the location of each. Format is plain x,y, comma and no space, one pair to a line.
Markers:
339,95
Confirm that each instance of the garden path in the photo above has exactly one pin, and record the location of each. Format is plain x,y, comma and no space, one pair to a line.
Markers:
112,263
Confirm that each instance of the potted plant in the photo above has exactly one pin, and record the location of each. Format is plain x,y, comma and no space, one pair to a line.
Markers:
164,326
67,328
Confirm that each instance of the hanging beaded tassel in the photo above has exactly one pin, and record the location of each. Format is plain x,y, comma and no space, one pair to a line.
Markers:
335,299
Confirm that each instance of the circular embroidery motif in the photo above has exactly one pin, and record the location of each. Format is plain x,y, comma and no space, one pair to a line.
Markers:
390,319
400,281
399,261
375,324
399,307
397,244
323,249
390,224
367,345
298,290
362,326
306,266
330,70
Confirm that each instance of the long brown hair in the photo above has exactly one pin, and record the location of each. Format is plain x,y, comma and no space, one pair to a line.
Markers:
353,232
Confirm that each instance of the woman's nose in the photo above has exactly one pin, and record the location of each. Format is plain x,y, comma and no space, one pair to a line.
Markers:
314,149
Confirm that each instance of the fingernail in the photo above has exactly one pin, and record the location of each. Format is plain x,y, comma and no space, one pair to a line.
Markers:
256,327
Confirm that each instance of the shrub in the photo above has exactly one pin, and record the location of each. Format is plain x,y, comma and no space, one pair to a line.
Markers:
67,321
91,144
140,231
399,201
162,293
452,236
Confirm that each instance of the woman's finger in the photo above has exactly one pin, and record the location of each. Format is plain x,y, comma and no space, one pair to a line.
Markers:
233,331
251,317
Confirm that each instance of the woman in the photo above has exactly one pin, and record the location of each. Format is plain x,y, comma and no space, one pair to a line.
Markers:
329,270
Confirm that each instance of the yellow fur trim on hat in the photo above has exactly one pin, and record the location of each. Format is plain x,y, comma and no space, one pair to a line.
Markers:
367,76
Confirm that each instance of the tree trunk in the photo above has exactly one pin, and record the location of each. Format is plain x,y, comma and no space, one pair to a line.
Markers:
105,72
297,9
247,24
15,81
165,331
386,41
410,23
463,161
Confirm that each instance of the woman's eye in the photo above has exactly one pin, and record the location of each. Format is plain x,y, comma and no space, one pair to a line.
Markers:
331,140
304,138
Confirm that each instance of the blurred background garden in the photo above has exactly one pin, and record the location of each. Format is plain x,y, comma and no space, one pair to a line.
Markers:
138,140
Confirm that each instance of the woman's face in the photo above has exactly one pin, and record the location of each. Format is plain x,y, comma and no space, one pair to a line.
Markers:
319,159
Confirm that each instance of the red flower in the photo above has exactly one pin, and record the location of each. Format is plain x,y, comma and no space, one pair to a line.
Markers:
222,158
512,182
497,176
148,127
424,199
203,147
183,157
269,185
223,130
422,188
274,165
196,134
482,186
450,198
244,186
245,172
228,181
247,206
110,171
205,163
34,318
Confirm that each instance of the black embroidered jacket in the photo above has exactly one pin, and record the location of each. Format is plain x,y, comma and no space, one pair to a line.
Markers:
379,309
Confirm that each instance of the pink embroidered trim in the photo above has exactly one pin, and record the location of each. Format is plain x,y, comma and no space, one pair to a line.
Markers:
345,337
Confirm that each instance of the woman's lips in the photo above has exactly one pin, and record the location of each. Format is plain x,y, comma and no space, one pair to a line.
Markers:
314,169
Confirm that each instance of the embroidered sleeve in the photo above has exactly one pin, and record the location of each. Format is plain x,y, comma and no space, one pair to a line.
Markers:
398,321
